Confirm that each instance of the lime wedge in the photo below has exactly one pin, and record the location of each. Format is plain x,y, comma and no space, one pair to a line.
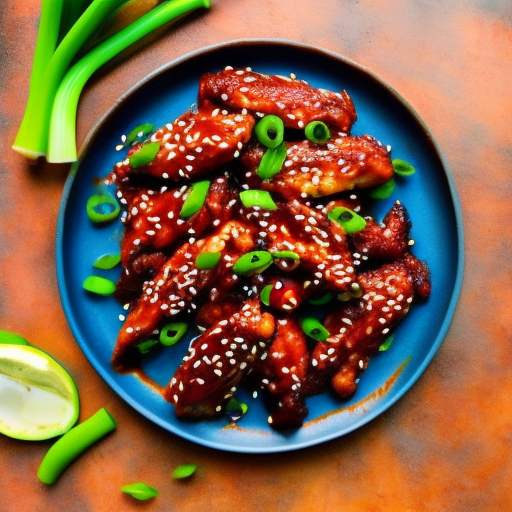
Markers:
38,398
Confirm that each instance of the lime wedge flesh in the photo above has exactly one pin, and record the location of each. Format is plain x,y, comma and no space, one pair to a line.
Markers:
38,398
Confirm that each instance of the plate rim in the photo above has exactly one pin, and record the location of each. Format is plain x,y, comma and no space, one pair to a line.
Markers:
455,203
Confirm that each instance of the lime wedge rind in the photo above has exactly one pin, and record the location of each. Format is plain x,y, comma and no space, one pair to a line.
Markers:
38,398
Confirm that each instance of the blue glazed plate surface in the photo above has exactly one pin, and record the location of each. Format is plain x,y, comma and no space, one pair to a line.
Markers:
429,196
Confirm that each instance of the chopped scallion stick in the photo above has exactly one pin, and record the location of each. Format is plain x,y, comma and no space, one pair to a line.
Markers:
259,198
73,443
140,491
195,199
184,471
99,285
107,261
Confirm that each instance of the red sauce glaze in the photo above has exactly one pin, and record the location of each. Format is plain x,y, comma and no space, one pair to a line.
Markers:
371,276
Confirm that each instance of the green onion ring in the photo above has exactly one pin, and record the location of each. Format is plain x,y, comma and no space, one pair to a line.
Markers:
314,329
349,220
102,208
252,263
172,333
317,131
270,131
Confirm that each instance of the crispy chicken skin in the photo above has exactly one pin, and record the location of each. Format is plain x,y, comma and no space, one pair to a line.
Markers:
294,101
218,360
313,170
196,144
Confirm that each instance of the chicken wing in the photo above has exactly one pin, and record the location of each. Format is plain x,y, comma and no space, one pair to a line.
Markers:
194,145
294,101
313,170
217,362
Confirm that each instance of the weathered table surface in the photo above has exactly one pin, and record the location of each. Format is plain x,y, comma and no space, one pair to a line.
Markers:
446,445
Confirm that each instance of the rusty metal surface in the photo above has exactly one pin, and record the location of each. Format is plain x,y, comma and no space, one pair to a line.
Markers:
444,446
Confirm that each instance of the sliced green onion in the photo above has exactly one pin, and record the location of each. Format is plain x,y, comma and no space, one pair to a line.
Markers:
146,346
62,139
281,255
349,220
383,191
32,138
144,155
10,338
73,443
195,199
272,162
252,263
172,333
270,131
387,343
140,491
184,471
235,410
99,285
317,131
321,300
102,208
259,198
265,294
314,329
402,167
207,260
138,134
107,261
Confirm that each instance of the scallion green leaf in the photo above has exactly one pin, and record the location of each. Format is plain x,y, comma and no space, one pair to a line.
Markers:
140,491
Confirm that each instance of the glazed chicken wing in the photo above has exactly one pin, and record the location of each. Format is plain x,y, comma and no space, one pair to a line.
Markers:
194,145
313,170
218,360
177,284
320,243
283,374
294,101
359,329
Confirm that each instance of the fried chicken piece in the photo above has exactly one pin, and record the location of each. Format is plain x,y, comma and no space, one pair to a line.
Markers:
218,361
313,170
282,373
359,328
194,145
320,243
153,219
387,241
294,101
177,284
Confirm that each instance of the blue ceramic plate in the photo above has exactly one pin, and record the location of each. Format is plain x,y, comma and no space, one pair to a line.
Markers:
429,195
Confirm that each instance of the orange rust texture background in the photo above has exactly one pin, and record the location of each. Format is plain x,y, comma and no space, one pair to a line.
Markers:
447,445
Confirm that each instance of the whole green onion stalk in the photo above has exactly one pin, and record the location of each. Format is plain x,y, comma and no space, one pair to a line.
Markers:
32,138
